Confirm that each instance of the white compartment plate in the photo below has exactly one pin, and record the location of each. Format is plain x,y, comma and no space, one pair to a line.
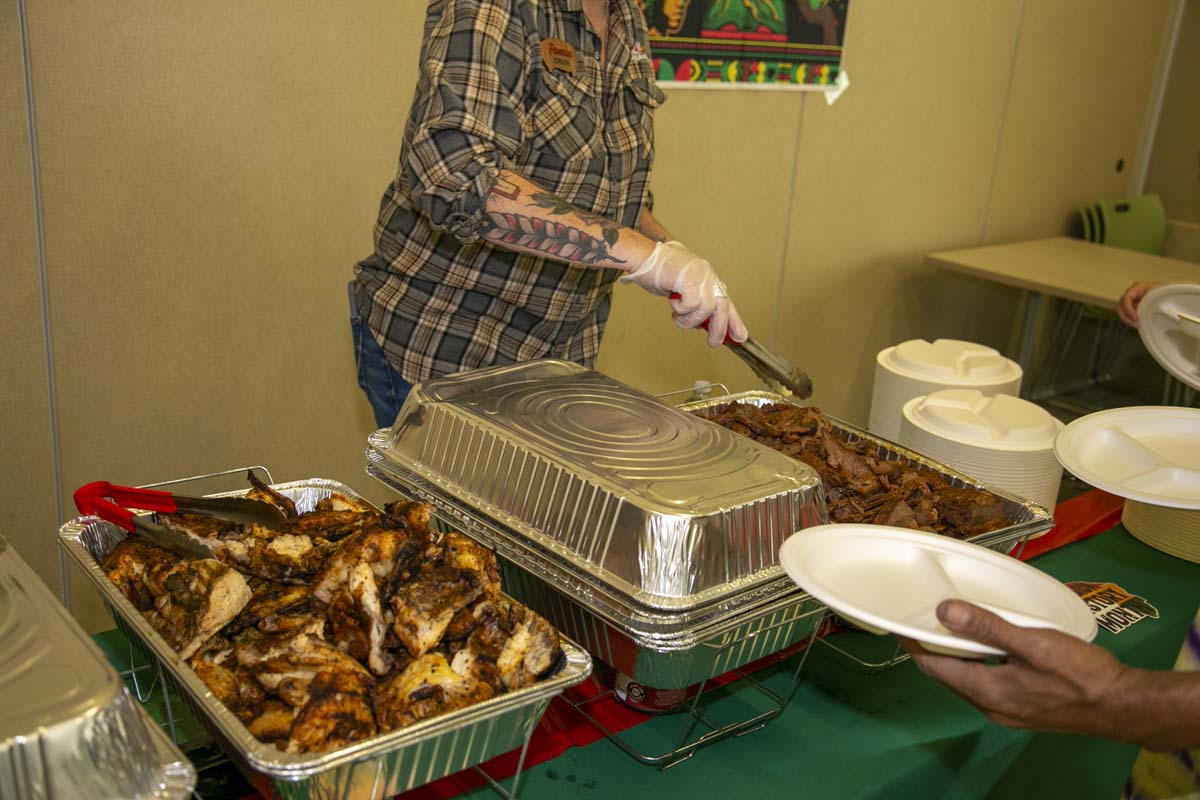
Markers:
890,580
1146,453
1170,329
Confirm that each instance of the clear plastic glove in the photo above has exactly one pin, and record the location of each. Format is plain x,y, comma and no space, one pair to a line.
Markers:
702,296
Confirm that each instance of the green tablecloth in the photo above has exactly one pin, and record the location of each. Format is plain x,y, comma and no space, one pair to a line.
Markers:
897,734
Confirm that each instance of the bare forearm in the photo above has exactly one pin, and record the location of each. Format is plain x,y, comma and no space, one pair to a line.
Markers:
1157,710
524,217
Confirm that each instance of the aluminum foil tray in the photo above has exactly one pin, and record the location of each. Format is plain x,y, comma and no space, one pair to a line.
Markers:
653,504
663,649
373,769
68,727
1026,518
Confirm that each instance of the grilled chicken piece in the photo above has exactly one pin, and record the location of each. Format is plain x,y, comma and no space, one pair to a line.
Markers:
230,683
299,621
463,553
262,491
340,502
384,549
273,723
297,660
333,525
253,647
426,688
357,618
337,713
282,556
193,600
206,529
417,515
510,647
269,598
425,607
129,564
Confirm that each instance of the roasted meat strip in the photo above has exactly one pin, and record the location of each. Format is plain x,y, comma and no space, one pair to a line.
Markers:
426,688
263,492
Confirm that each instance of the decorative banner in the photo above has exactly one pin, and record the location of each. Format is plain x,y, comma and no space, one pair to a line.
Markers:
788,44
1114,608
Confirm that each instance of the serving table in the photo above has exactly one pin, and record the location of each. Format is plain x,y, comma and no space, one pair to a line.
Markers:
1071,269
889,734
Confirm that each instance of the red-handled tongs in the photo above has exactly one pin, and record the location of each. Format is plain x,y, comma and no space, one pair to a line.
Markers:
113,503
777,372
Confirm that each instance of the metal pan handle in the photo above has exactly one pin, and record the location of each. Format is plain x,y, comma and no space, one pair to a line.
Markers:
208,476
724,389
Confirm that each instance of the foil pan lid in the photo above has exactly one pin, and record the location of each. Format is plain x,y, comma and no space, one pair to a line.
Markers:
68,728
659,504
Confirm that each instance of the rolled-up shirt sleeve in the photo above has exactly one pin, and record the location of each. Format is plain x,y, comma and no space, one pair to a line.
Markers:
467,118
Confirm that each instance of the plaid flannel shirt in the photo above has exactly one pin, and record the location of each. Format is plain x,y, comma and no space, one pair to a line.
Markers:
436,296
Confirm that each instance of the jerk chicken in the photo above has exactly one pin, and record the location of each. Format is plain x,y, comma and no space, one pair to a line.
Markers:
859,486
348,622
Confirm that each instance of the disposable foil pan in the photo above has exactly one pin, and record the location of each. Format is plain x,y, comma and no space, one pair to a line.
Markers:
1025,517
654,504
373,769
663,649
68,727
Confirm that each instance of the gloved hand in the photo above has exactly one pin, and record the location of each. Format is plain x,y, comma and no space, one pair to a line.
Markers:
702,296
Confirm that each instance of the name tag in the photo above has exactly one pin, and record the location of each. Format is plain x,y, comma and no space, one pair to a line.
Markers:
558,55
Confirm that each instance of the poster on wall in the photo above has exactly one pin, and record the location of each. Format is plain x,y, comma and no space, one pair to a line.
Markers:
787,44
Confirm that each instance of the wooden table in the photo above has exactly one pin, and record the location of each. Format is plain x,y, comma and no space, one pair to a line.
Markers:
1063,267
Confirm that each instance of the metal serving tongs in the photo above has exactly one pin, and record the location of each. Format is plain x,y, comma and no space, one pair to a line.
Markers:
113,503
775,371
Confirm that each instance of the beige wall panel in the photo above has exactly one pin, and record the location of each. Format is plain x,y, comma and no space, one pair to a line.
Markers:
1081,88
27,467
212,172
898,167
722,176
1175,164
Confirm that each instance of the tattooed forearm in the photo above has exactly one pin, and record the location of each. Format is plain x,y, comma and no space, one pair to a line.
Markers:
546,236
519,217
557,206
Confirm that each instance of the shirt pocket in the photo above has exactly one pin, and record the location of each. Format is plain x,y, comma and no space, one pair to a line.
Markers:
563,117
641,96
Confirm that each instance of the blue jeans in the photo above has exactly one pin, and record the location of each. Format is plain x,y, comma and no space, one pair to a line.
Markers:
384,387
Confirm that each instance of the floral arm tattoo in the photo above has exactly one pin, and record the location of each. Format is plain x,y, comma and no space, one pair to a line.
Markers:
538,233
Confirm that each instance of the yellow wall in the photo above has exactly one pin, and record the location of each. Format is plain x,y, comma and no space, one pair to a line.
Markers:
211,173
1175,166
27,463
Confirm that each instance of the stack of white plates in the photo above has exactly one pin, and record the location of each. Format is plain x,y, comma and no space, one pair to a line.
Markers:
1150,455
1000,440
1172,530
917,368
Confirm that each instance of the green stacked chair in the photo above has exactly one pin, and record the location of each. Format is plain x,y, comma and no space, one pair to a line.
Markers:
1136,223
